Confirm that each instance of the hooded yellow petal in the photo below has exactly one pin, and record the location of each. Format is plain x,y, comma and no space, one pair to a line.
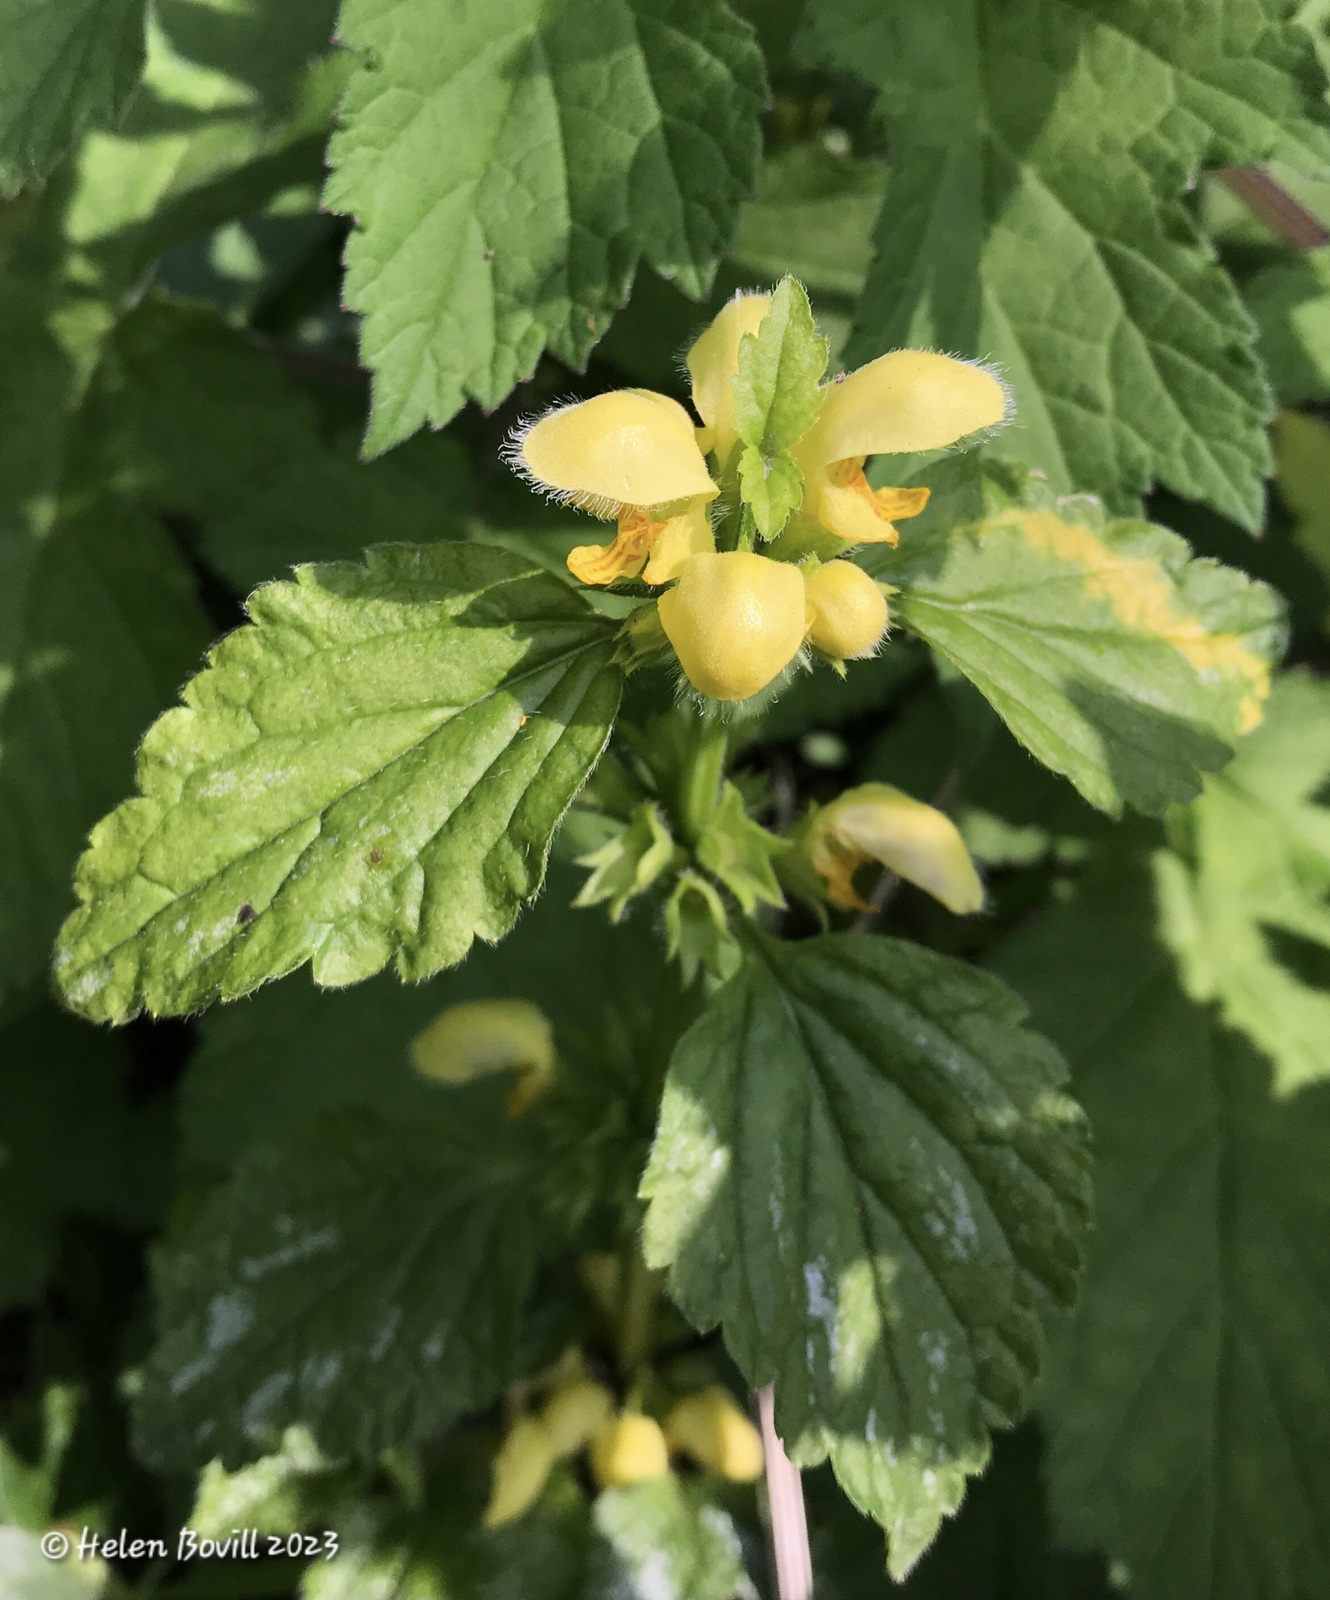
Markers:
626,448
709,1427
629,1449
482,1036
876,822
907,400
713,362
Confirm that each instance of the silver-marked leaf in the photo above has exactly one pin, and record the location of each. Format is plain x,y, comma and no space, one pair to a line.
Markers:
867,1173
372,771
365,1278
508,164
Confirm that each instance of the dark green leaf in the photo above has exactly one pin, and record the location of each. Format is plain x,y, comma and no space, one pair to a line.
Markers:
65,64
1185,1399
867,1174
1034,217
366,1279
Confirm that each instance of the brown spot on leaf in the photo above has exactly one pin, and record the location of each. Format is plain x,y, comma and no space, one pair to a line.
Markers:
246,913
376,857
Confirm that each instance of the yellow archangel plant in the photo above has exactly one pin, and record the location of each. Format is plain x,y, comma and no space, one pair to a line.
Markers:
737,618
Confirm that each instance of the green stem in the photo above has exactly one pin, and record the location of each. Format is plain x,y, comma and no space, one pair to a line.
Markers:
700,789
637,1309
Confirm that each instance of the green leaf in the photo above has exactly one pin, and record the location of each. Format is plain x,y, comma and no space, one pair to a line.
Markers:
214,430
66,64
235,107
98,617
1034,216
1291,303
372,771
67,1146
1249,902
366,1279
266,1495
812,217
867,1174
1113,656
776,393
1184,1400
1302,448
773,488
738,852
508,168
266,1068
674,1542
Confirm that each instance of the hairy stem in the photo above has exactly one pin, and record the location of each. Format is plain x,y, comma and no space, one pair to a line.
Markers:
637,1310
700,789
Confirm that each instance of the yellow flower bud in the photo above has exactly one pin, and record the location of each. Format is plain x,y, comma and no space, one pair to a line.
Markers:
713,363
521,1470
875,822
849,610
735,620
575,1413
629,1449
709,1427
482,1036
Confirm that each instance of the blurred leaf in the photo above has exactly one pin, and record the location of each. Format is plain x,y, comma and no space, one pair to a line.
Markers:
1252,892
365,1278
27,1574
98,621
1291,303
267,1495
371,771
212,428
674,1542
1185,1397
913,1190
1111,655
1033,217
65,64
546,155
812,217
270,1066
28,1487
1302,450
67,1140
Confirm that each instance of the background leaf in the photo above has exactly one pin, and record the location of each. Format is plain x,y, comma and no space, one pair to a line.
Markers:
366,1279
1184,1398
297,810
508,167
890,1281
66,64
1033,217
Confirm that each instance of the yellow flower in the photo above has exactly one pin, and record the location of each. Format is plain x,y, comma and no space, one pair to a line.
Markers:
631,455
574,1413
637,457
735,620
905,401
521,1470
629,1449
876,822
849,610
482,1036
709,1427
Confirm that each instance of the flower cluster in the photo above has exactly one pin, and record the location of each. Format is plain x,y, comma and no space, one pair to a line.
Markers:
623,1446
736,618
